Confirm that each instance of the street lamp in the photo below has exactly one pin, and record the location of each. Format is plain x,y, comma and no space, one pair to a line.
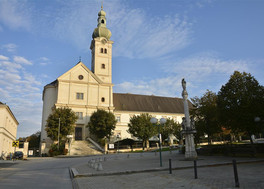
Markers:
154,120
69,137
59,136
118,137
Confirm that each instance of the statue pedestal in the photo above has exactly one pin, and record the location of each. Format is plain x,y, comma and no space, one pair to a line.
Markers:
190,153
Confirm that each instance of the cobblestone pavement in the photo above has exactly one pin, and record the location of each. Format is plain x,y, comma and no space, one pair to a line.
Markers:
216,173
222,177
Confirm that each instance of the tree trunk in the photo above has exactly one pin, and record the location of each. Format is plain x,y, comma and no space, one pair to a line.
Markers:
147,144
105,147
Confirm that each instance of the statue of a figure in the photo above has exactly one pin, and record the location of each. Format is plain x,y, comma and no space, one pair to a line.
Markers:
184,84
183,124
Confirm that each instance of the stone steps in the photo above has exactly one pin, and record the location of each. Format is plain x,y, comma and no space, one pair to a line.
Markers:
83,148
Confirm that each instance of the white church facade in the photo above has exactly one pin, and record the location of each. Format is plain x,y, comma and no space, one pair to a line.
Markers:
85,91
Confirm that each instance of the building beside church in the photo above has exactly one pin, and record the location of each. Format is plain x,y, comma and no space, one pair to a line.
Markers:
84,91
8,129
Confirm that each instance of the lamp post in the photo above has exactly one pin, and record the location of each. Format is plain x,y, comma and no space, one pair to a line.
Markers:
59,136
69,137
154,120
118,137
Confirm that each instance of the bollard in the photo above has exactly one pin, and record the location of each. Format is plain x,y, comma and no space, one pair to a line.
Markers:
96,160
104,158
95,166
100,167
195,169
141,154
101,159
170,166
235,173
127,155
89,163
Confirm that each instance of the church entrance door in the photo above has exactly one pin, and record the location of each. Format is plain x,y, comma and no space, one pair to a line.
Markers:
78,133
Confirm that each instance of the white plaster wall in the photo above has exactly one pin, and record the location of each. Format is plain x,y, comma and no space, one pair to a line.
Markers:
8,130
122,126
49,99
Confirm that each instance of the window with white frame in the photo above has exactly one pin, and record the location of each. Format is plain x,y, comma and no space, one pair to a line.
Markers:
79,114
79,96
118,119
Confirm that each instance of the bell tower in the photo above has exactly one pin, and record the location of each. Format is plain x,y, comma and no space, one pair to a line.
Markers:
101,47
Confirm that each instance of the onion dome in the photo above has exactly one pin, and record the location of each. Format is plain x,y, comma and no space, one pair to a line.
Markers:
101,30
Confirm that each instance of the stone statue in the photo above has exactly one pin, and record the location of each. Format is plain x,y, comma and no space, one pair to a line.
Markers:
188,127
184,84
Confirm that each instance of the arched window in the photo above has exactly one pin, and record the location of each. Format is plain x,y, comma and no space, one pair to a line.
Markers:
102,50
102,99
105,51
102,21
103,66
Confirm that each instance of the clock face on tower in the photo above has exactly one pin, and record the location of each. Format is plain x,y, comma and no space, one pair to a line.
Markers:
104,41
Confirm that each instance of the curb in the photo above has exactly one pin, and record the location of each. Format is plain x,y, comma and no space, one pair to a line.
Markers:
76,174
72,172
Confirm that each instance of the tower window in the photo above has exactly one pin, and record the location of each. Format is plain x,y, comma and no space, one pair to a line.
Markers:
103,99
105,51
102,21
102,50
79,96
103,66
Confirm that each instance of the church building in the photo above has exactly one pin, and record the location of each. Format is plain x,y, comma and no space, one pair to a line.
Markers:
85,91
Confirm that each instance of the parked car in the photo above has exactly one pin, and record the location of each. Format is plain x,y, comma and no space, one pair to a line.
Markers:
18,155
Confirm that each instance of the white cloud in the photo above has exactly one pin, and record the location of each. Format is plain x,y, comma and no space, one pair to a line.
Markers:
44,59
3,57
15,14
202,71
22,92
22,60
135,33
138,36
10,47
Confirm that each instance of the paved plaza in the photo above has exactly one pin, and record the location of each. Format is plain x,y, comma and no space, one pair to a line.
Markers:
144,171
131,170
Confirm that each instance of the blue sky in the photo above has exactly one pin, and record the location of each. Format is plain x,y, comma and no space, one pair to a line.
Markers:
156,44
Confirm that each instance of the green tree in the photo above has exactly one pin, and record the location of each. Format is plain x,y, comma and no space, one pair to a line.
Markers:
240,100
141,127
67,121
205,115
34,140
170,127
177,128
102,123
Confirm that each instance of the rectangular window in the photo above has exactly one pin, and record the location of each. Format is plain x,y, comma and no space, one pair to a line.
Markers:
80,115
118,119
79,96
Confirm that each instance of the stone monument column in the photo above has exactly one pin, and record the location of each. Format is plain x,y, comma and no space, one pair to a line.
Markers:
188,129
